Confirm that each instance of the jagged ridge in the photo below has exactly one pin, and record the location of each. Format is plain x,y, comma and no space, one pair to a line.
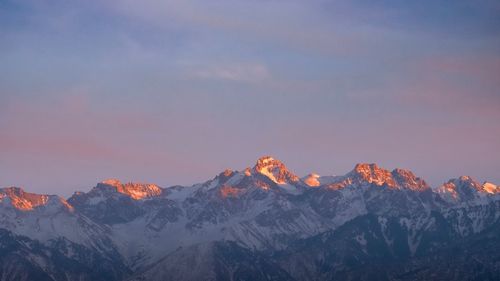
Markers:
263,209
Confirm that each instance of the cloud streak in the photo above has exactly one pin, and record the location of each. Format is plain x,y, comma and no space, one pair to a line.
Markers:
243,72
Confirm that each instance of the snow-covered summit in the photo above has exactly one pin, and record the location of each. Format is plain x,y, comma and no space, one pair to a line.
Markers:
275,170
316,180
312,179
465,189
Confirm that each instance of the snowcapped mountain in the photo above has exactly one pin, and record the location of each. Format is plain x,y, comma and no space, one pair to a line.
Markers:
261,223
466,190
44,238
40,217
274,170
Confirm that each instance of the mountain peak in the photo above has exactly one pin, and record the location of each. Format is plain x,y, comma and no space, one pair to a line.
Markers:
267,160
463,188
27,201
369,169
312,180
407,179
275,170
373,174
227,173
136,191
491,188
465,181
398,178
466,184
22,200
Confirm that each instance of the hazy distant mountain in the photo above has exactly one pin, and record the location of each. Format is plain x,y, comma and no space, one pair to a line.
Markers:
262,223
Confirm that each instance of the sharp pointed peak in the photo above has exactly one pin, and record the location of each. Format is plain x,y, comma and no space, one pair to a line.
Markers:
267,160
274,169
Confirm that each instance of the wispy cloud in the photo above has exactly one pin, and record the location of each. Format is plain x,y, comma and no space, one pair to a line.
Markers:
238,72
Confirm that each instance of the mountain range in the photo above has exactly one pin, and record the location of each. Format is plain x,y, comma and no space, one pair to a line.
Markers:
261,223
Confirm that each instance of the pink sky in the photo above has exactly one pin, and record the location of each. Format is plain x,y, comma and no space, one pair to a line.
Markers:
175,92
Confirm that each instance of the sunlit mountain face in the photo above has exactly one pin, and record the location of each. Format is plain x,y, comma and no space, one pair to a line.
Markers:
261,223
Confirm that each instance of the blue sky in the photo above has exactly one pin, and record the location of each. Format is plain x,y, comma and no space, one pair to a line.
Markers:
173,92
